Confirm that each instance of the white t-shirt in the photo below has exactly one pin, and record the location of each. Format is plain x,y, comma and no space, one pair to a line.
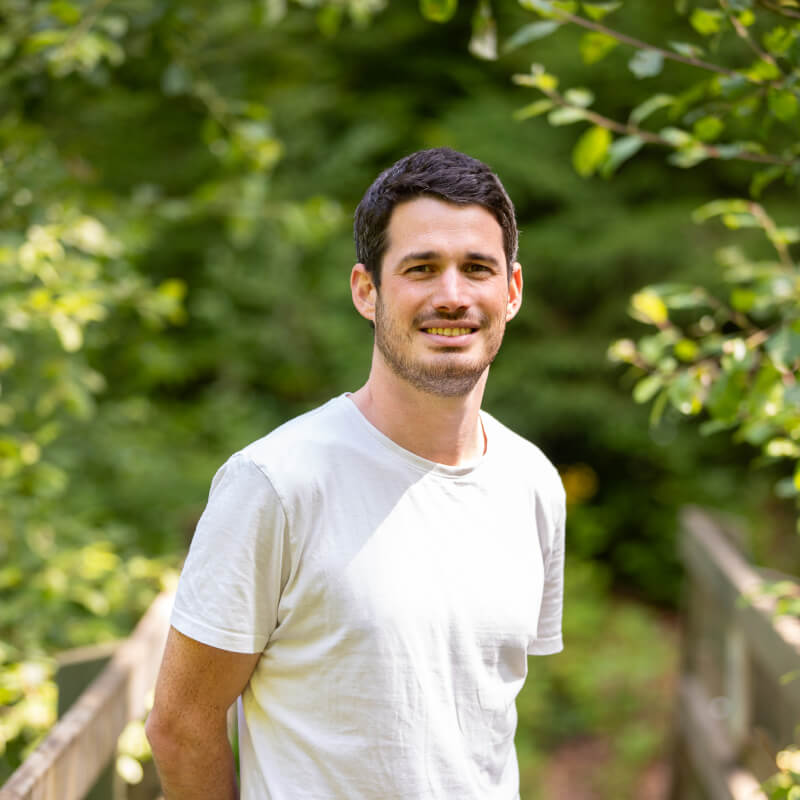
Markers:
394,600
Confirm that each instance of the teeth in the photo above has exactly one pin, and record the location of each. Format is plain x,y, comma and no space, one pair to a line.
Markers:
449,331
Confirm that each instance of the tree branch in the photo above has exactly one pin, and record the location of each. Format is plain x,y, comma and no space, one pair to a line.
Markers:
626,129
784,12
744,34
669,54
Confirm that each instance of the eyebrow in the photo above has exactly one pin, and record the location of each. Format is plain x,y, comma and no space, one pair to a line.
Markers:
433,255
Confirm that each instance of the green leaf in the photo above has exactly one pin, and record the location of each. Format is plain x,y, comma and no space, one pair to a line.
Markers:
621,150
647,306
784,348
779,40
597,11
675,136
686,394
783,104
718,207
595,46
706,21
591,150
646,388
483,43
686,350
782,448
708,128
438,10
533,109
176,79
566,116
762,71
531,33
646,63
650,106
686,49
582,98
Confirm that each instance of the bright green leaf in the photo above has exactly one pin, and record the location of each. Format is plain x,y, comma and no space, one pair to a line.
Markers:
708,128
595,46
706,21
646,63
686,350
597,11
590,150
686,49
582,98
531,33
438,10
779,40
783,104
483,42
566,116
717,207
649,106
534,109
646,388
648,307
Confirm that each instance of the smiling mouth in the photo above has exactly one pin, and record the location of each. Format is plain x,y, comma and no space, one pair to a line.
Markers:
449,331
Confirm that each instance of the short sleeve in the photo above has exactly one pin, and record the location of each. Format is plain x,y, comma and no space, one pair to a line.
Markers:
548,637
230,585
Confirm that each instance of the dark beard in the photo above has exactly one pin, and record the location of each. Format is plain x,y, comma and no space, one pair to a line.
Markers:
449,379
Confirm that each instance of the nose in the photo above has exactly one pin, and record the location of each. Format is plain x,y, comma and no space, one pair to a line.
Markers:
450,291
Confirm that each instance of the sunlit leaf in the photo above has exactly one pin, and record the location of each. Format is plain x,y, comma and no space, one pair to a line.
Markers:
579,97
531,33
708,128
483,42
650,106
438,10
595,46
566,116
783,104
646,63
647,306
646,388
534,109
591,150
706,21
597,11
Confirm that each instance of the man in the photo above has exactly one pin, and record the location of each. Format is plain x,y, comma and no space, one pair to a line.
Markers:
371,576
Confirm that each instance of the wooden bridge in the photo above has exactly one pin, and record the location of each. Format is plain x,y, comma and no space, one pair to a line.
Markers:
738,702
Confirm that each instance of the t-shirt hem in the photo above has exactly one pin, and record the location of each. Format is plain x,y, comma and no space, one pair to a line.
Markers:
214,637
546,647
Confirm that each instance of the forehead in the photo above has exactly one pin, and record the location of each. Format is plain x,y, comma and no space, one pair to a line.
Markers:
430,224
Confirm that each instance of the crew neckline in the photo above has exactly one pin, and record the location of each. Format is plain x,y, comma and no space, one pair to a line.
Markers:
417,461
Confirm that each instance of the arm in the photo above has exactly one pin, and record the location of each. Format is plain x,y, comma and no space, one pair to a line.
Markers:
187,726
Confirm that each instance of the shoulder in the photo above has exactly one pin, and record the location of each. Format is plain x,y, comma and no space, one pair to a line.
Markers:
523,458
302,447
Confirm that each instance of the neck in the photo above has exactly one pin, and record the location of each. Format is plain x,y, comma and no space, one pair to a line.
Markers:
442,429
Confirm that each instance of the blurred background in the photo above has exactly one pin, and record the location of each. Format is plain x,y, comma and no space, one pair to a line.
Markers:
177,184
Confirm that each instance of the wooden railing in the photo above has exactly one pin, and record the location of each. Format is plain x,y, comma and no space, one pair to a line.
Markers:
83,742
737,704
739,692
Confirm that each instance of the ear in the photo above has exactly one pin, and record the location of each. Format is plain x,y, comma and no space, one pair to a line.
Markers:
363,291
514,291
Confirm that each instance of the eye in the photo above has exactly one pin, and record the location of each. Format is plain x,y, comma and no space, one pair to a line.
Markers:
478,268
419,268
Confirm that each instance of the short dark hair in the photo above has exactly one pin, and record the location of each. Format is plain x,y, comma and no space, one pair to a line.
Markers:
441,173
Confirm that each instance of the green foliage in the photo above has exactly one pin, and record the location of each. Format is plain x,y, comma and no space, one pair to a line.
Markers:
631,651
727,348
177,184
